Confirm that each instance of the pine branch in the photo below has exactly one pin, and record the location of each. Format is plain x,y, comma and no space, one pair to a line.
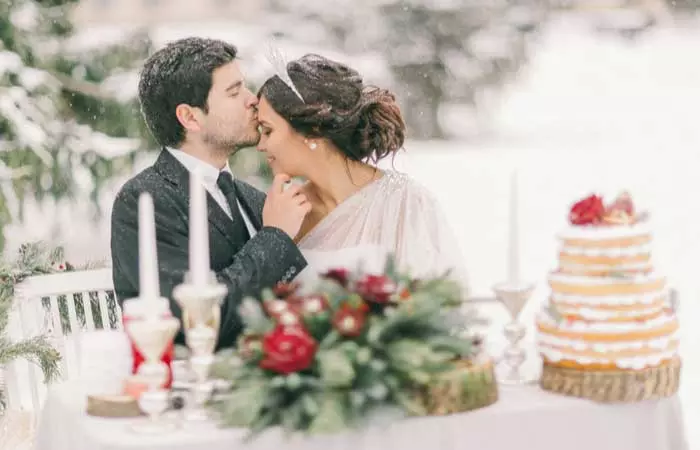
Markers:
61,117
81,86
36,350
32,259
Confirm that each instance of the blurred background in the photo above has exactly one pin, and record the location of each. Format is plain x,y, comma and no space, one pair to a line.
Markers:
580,95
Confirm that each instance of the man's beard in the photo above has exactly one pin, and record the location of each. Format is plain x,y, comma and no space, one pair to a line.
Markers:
230,144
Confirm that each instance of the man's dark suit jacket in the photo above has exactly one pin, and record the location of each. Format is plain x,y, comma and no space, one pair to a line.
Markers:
244,267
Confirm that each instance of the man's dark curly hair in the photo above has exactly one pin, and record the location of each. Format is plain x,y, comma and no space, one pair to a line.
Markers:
181,72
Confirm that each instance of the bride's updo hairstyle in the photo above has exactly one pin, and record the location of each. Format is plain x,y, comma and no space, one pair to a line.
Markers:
364,122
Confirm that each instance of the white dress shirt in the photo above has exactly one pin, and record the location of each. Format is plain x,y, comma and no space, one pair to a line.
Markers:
209,175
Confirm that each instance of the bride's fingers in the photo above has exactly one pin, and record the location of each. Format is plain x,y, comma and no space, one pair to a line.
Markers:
301,199
278,183
292,190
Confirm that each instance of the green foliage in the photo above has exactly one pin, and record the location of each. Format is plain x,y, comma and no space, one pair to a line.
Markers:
32,259
59,126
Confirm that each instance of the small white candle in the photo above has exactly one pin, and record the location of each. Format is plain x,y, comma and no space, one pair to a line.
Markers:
199,232
513,232
149,285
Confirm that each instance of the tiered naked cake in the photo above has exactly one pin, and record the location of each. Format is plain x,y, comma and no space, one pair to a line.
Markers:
609,332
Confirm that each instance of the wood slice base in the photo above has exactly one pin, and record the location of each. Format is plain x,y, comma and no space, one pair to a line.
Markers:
613,386
112,406
466,388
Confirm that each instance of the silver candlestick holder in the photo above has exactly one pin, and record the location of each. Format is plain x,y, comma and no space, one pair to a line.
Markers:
514,296
201,318
152,336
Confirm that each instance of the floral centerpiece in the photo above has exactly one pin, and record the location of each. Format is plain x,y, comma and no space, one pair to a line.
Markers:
357,345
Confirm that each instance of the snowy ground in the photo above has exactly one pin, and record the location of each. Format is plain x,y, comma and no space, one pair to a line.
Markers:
589,114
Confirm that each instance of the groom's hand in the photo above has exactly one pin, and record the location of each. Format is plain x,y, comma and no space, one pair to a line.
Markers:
285,208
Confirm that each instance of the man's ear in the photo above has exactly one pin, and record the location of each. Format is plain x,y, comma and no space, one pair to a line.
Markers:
189,117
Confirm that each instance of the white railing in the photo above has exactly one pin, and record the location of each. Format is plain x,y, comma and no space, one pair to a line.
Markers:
63,306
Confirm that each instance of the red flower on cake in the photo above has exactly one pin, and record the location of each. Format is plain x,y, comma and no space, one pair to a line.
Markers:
624,203
588,211
288,349
621,210
376,288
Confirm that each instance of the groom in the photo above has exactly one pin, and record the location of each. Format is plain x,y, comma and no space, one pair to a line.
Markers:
197,107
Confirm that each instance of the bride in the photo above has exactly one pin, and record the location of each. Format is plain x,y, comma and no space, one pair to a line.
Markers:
320,122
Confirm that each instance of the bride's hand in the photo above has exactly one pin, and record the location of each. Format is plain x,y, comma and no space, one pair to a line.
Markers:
285,207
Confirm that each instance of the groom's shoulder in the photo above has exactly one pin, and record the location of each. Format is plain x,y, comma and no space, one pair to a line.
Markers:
148,180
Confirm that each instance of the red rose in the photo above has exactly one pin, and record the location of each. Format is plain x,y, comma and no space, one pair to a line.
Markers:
376,288
588,211
288,349
341,276
350,321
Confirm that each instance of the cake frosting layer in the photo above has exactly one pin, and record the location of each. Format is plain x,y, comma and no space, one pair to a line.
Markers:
624,284
632,345
611,315
607,331
613,234
617,301
577,268
605,251
595,362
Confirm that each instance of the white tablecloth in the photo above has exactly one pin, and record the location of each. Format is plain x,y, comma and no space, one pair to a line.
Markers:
524,417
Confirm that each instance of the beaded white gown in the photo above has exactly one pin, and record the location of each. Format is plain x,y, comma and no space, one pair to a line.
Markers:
393,214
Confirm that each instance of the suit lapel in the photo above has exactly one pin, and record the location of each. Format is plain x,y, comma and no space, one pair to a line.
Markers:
178,175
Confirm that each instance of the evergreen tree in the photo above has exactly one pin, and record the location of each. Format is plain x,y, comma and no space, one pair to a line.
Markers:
62,134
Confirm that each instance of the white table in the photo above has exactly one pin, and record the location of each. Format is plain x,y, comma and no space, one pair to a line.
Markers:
525,417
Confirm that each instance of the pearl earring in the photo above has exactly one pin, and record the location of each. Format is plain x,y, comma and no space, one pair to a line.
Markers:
312,146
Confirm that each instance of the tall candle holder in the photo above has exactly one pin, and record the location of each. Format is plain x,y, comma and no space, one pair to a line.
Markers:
514,296
201,318
152,336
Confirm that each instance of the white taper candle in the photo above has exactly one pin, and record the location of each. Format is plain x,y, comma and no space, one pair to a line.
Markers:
149,285
513,232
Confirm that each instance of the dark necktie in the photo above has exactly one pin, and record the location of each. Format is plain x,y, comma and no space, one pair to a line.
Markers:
228,187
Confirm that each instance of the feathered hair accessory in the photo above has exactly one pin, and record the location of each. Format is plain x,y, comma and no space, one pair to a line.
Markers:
279,64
